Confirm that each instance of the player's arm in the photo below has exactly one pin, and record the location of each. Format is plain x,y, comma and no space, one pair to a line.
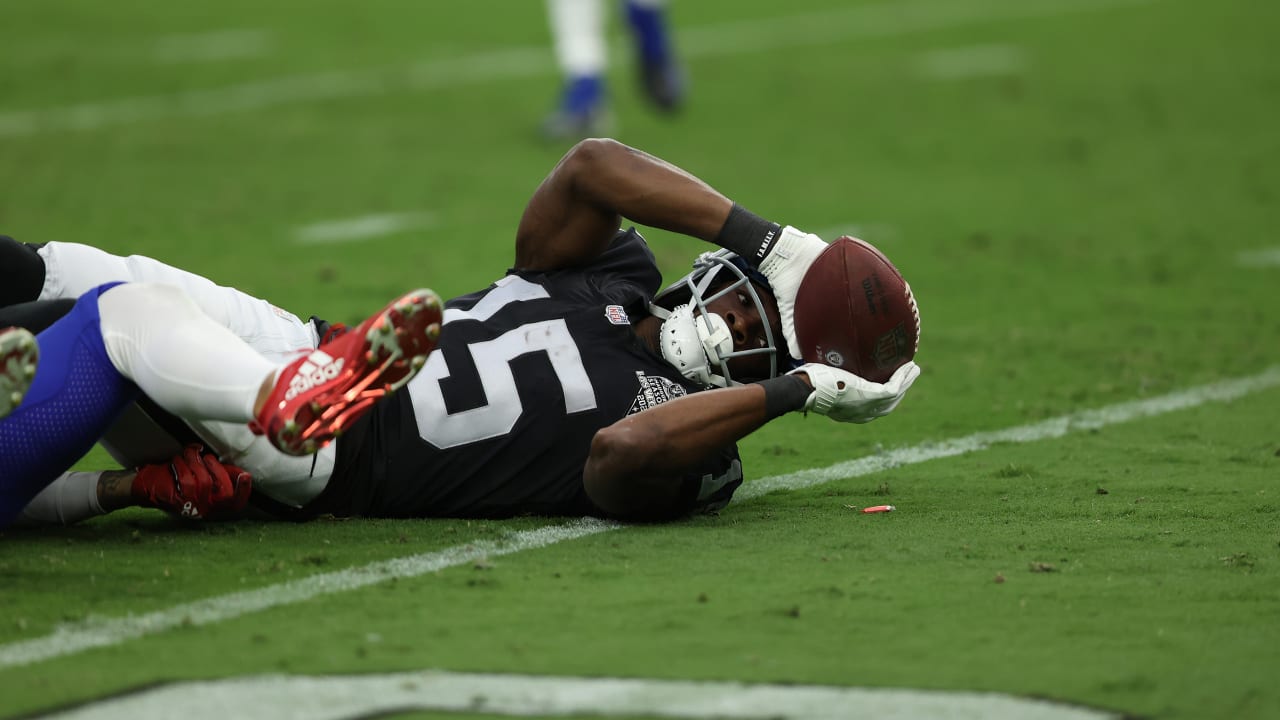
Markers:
636,466
77,496
575,212
194,484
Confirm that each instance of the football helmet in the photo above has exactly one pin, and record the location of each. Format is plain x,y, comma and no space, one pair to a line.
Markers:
699,342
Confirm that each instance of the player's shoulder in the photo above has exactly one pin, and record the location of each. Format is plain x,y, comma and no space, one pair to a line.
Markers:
630,240
625,273
629,260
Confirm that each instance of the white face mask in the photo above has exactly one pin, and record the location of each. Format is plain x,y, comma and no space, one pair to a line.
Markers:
710,337
695,344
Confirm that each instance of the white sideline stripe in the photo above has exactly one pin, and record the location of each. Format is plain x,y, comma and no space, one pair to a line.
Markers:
1048,429
967,62
733,38
343,697
364,227
101,632
211,46
1269,257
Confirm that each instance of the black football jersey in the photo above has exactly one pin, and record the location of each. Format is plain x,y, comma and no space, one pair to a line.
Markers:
500,421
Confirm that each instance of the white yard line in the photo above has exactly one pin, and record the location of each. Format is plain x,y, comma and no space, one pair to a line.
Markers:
215,46
1053,428
362,696
725,39
969,62
365,227
102,632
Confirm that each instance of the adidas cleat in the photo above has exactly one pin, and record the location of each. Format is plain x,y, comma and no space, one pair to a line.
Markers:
320,395
19,356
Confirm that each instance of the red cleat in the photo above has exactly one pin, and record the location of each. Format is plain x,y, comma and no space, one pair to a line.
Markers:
318,396
19,355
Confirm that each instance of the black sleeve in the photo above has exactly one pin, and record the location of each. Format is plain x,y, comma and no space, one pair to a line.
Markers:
21,272
36,315
627,273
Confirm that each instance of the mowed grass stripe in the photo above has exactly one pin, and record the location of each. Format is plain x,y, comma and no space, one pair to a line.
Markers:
733,38
103,632
77,637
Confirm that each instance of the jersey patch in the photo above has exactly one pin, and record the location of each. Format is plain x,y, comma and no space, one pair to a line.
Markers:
616,315
654,390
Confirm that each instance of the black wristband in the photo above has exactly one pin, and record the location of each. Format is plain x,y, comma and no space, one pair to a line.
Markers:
784,394
748,235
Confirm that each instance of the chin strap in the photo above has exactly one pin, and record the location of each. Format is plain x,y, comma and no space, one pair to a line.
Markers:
695,345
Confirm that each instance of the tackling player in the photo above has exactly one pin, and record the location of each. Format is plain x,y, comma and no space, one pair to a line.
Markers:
120,339
571,386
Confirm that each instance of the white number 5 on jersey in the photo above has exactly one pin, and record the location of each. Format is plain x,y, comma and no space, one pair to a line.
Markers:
492,359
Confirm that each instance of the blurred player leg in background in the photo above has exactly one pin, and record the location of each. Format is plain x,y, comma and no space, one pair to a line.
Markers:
661,77
578,33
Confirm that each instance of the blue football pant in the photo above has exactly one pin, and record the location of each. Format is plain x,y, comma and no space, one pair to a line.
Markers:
75,397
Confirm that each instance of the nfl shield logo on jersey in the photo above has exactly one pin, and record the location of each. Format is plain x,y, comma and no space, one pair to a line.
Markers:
616,315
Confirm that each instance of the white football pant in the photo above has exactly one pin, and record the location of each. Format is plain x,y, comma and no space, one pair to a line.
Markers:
279,336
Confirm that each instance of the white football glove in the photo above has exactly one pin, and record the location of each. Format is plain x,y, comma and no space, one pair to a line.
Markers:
843,396
784,267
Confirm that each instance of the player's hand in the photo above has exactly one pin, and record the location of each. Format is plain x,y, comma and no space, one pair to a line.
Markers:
843,396
194,485
784,267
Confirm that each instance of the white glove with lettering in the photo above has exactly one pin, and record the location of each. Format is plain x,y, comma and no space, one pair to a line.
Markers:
784,267
843,396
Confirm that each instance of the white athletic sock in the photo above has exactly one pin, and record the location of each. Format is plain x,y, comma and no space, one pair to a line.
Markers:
66,501
192,366
577,30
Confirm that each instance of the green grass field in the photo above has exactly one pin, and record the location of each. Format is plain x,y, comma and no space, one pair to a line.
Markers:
1083,194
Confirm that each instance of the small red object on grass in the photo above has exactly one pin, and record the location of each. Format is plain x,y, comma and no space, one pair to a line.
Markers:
878,509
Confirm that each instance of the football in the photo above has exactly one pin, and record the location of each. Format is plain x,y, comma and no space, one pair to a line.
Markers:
855,312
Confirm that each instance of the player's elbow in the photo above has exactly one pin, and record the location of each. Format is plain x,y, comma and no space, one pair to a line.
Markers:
588,157
618,481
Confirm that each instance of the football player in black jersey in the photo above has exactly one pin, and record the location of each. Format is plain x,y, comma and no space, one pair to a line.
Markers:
574,385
